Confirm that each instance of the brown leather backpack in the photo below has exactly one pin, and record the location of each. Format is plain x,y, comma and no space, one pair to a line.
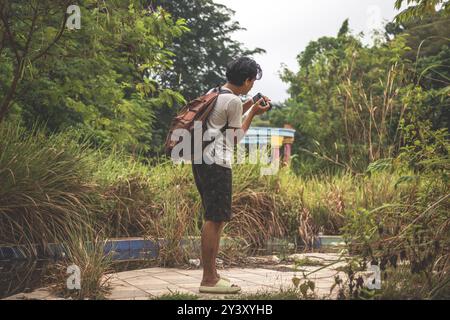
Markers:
196,110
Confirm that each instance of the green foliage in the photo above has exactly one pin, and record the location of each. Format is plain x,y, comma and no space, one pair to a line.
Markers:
202,54
282,294
353,89
378,166
27,34
44,190
419,9
120,78
364,94
307,262
85,248
177,296
128,198
426,150
344,29
54,189
414,231
99,78
429,40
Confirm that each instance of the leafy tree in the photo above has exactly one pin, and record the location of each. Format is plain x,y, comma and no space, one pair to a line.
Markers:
99,78
202,54
361,96
347,89
420,8
426,36
25,37
429,40
344,29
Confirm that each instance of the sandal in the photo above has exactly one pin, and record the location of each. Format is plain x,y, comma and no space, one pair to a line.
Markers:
224,278
222,286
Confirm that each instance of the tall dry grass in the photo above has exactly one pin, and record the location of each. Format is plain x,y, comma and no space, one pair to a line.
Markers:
53,183
45,187
84,248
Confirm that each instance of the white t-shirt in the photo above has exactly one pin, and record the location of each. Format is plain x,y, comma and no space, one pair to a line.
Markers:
228,109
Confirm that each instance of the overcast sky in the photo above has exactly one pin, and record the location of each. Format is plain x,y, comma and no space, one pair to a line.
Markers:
284,28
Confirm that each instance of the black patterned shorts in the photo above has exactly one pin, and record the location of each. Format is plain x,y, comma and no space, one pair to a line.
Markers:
214,183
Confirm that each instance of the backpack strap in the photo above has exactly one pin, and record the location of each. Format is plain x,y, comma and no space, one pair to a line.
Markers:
221,91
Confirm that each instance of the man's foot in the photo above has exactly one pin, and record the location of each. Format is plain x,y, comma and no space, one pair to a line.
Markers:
209,282
221,287
222,277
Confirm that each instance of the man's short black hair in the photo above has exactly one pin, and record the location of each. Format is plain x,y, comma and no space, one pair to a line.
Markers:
241,69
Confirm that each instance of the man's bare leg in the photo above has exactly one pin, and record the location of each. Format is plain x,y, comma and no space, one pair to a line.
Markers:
210,238
218,246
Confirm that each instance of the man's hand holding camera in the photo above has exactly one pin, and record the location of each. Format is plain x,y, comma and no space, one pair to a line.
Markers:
262,104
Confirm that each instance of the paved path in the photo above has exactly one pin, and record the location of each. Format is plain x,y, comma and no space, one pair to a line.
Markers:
149,283
153,282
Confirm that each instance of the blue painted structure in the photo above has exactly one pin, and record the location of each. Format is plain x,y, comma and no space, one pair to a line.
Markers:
262,135
120,250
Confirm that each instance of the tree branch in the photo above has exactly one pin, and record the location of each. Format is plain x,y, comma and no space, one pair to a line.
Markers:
8,32
2,43
54,41
12,90
30,33
18,72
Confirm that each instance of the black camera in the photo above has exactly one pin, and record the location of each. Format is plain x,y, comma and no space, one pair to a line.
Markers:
263,103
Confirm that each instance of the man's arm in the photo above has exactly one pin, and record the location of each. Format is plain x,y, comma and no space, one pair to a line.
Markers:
256,109
247,105
248,120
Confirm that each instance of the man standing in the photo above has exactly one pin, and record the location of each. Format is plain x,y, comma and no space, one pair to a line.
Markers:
213,177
